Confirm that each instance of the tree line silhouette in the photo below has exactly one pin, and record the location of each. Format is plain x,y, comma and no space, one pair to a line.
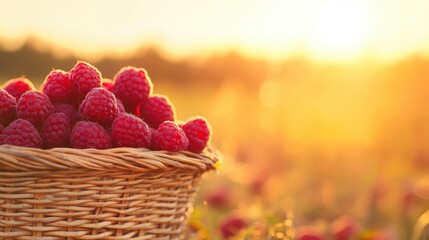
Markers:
212,71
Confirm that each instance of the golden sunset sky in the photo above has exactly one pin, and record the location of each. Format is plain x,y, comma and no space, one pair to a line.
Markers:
331,29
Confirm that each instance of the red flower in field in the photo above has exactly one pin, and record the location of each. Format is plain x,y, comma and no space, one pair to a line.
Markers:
344,228
231,225
219,197
308,233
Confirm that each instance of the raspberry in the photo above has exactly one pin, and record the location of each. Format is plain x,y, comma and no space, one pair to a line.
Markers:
58,86
219,197
132,85
197,131
85,77
99,106
67,109
308,233
231,225
107,84
90,135
156,110
121,108
1,128
170,137
18,86
7,107
34,106
130,131
344,228
21,133
56,131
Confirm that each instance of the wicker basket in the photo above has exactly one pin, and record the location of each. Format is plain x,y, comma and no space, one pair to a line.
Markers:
119,193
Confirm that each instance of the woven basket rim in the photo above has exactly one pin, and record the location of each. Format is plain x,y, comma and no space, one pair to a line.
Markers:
24,159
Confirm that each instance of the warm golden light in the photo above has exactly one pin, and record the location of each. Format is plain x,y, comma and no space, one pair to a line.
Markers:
322,30
269,93
341,30
319,107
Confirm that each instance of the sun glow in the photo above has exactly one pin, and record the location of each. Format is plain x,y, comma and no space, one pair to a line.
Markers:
340,30
321,30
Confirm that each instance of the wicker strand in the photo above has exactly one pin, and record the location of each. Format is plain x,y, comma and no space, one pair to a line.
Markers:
137,159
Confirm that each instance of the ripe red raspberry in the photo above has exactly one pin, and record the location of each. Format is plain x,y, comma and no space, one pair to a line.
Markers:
132,85
90,135
18,86
170,137
197,131
308,233
21,133
55,131
156,110
99,106
107,84
85,77
231,225
34,106
1,128
121,108
130,131
219,197
345,228
58,86
67,109
7,107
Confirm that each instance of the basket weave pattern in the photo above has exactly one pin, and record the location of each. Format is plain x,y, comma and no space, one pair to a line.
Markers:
120,193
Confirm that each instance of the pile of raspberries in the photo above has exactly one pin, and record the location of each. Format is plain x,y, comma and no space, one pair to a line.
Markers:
80,109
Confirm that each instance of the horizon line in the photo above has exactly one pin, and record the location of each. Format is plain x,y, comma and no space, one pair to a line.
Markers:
61,52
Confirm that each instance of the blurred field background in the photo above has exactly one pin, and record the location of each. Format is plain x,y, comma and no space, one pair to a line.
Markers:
310,133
